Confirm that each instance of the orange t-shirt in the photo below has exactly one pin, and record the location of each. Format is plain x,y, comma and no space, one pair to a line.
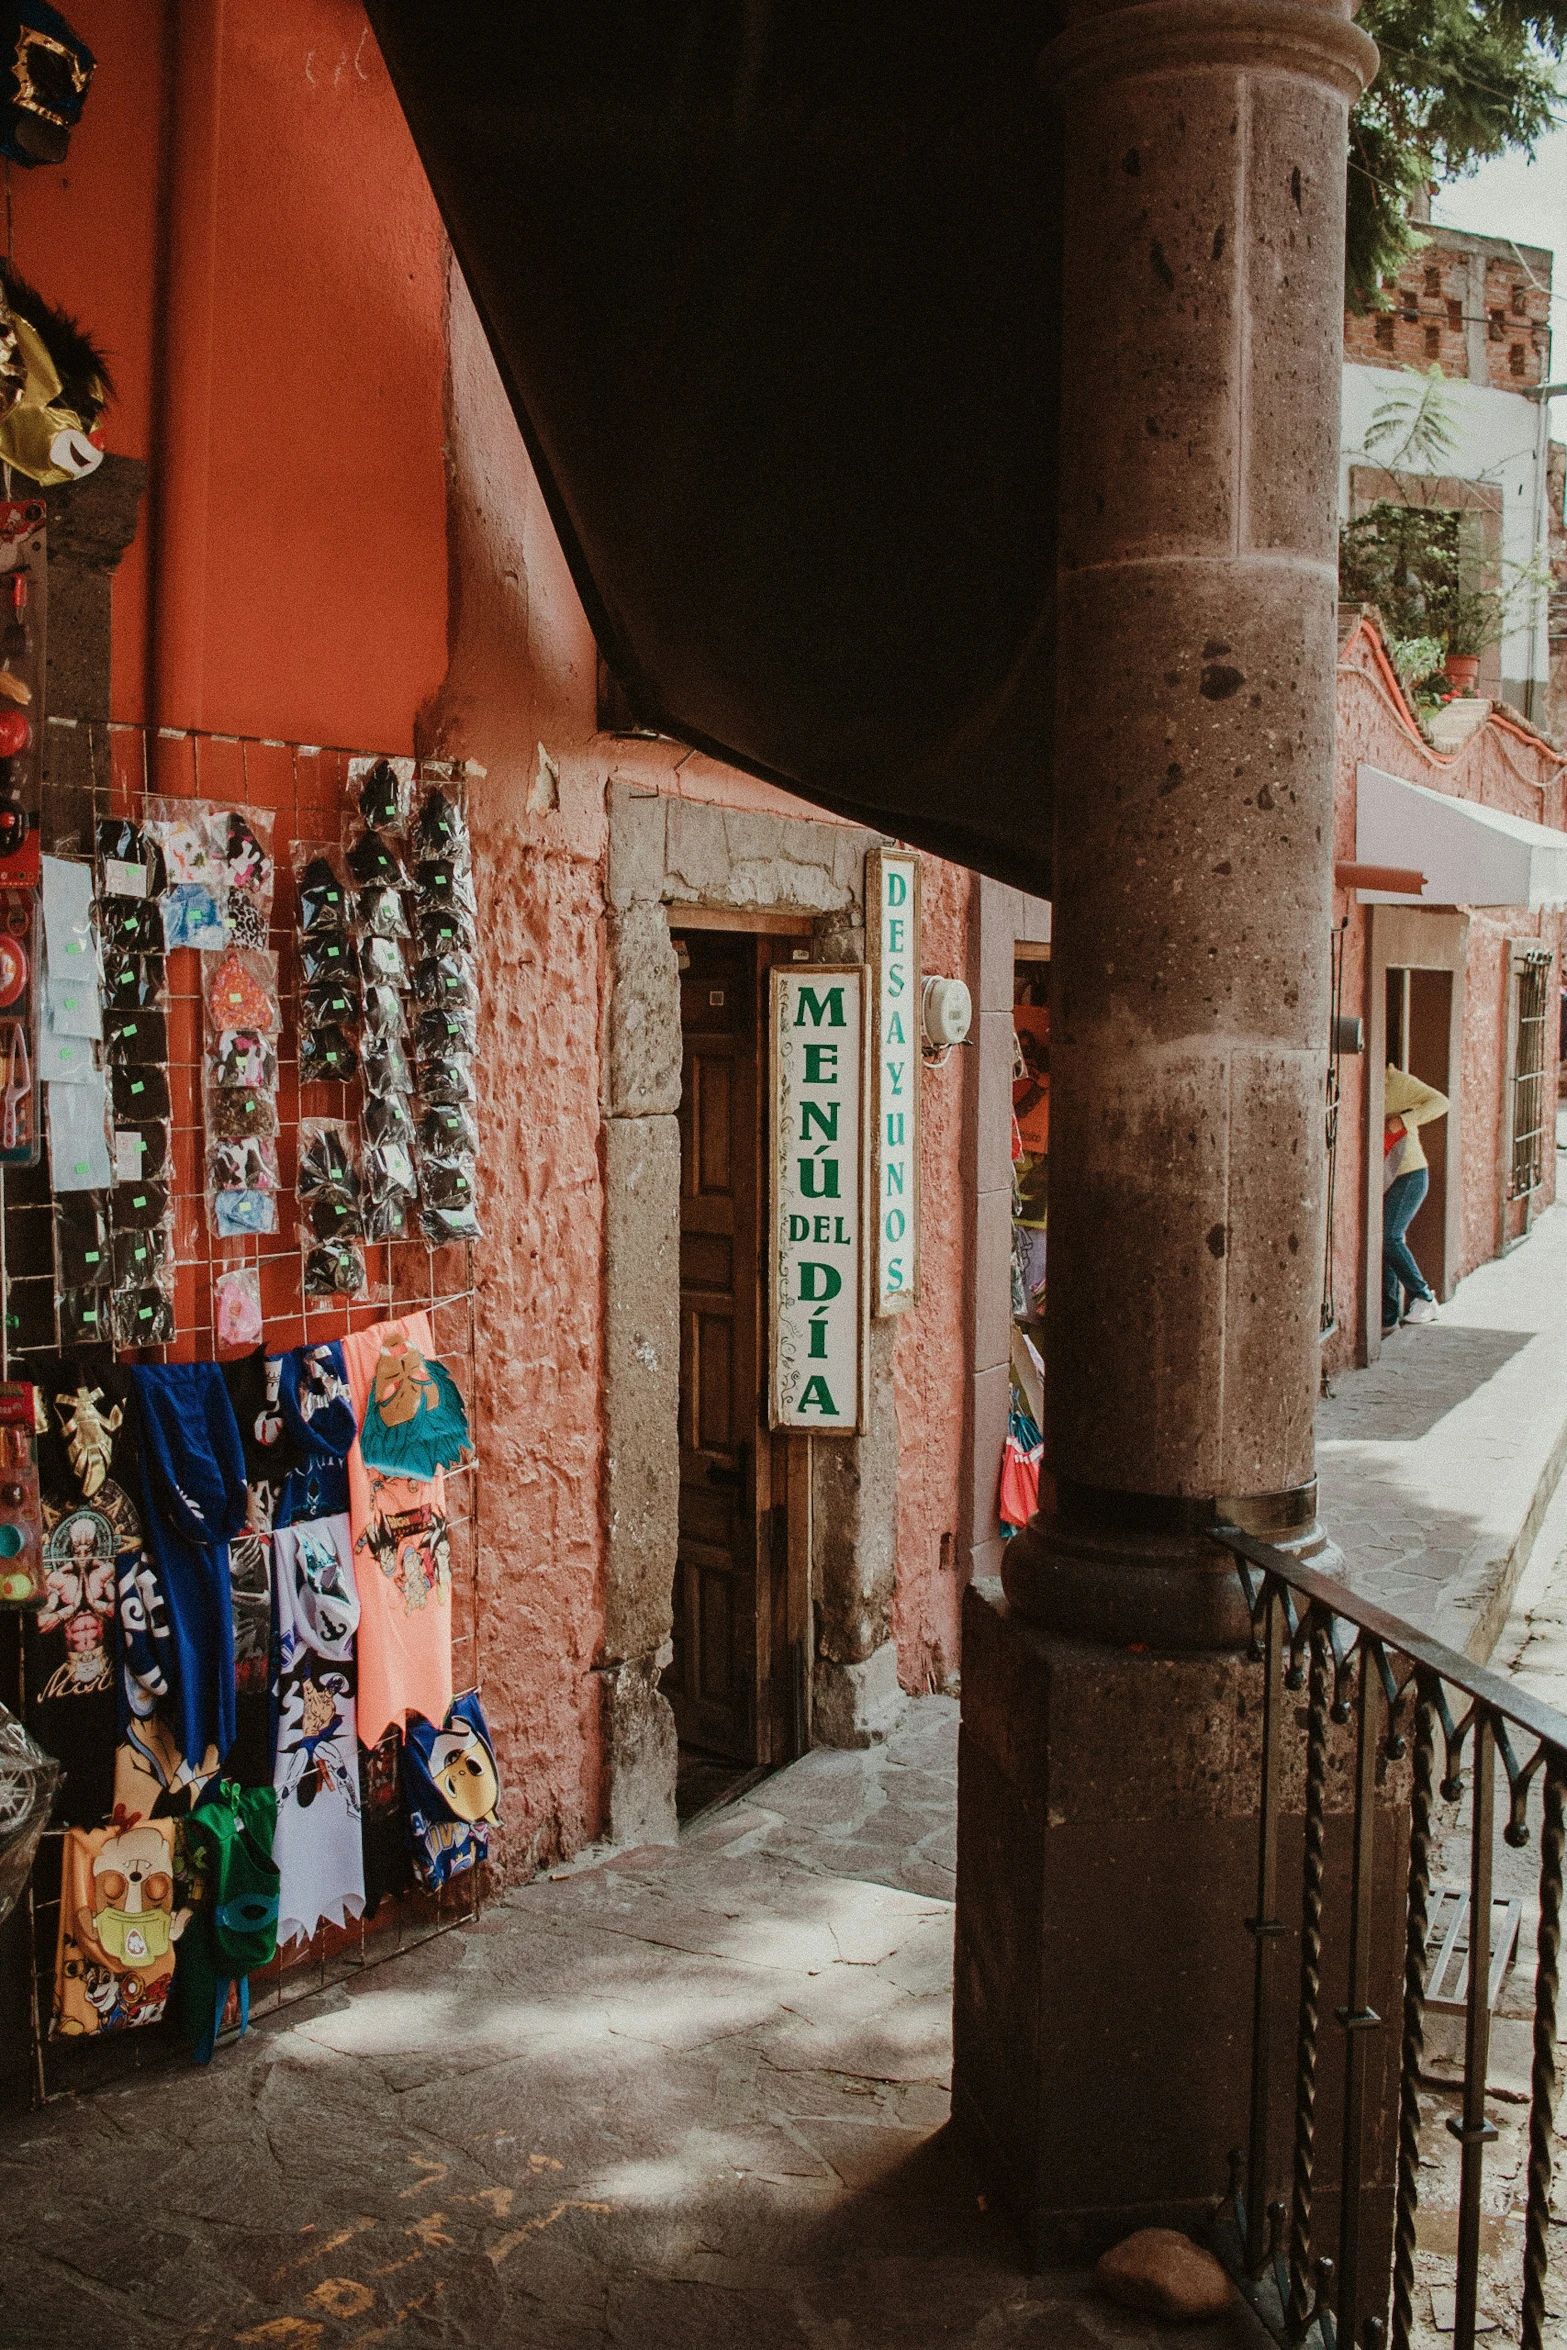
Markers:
402,1565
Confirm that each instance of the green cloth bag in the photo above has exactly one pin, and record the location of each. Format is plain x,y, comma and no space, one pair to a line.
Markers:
233,1891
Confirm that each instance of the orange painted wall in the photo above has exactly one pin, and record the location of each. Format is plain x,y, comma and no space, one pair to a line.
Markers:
303,578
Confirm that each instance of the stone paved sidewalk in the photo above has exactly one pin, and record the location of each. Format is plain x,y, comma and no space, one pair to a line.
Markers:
1437,1464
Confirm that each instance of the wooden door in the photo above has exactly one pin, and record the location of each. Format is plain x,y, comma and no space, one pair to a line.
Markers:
722,1599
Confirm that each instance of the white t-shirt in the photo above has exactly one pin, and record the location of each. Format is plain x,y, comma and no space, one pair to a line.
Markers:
318,1850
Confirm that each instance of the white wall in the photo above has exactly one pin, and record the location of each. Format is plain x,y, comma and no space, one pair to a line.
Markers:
1496,435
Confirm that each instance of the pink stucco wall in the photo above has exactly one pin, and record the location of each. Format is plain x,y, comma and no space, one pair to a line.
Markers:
1502,766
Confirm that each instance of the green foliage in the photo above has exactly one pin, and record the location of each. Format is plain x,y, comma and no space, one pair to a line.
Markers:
1417,659
1416,428
1404,560
1460,80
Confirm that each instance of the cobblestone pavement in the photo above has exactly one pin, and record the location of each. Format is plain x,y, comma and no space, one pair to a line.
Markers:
1437,1462
676,2100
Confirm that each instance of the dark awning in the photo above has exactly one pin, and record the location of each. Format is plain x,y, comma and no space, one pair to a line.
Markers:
772,290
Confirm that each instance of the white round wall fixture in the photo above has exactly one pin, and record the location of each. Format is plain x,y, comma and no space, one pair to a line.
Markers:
948,1011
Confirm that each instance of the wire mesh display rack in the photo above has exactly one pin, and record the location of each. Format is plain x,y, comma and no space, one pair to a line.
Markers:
95,769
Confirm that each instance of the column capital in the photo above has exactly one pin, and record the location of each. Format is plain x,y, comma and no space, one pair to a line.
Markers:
1309,37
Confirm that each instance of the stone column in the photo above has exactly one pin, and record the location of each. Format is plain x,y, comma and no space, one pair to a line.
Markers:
1107,1798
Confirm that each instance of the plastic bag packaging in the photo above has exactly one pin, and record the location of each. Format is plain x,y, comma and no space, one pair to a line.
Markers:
29,1782
326,1159
133,983
440,1225
387,1118
327,955
195,914
321,888
140,1153
441,827
181,829
144,1317
335,1268
383,791
389,1167
379,913
243,1057
447,1080
85,1318
81,1243
241,841
78,1137
448,982
140,1257
385,1066
440,882
130,862
331,1002
236,1215
447,1183
386,1218
381,1011
242,991
140,1090
448,1131
326,1056
446,930
70,1007
237,1298
138,1207
141,1037
250,1165
371,858
69,944
131,926
235,1112
439,1032
381,962
331,1218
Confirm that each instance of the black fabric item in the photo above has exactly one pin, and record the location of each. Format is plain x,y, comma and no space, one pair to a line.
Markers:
382,1822
440,1031
386,1066
131,926
446,1183
154,1151
137,1207
323,901
448,1079
85,1317
81,1241
447,1131
386,1119
130,981
380,911
271,1455
326,1166
138,1256
326,1056
378,795
441,830
334,1218
136,1036
125,843
385,1218
828,553
326,954
447,982
440,1225
87,1471
143,1317
439,882
336,1269
329,1000
372,859
140,1091
446,930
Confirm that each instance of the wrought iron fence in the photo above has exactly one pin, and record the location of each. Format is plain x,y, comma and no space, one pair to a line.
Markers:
1398,1695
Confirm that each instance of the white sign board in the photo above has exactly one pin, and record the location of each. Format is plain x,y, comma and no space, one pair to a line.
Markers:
818,1242
892,926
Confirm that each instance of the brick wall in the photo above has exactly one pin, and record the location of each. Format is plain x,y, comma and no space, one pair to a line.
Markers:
1434,301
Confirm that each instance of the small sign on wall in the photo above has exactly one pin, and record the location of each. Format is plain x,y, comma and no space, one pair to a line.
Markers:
892,928
819,1258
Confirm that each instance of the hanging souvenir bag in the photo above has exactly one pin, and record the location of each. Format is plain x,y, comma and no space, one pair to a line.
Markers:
234,1892
1020,1461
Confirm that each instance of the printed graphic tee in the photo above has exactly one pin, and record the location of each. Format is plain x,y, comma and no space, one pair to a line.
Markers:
317,1848
403,1561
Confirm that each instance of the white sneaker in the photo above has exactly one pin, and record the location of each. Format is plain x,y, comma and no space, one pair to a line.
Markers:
1423,1309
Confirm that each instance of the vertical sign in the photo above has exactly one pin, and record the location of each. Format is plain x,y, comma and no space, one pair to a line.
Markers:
818,1245
892,923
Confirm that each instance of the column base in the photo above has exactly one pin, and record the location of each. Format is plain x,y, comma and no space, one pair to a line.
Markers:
857,1705
1107,1852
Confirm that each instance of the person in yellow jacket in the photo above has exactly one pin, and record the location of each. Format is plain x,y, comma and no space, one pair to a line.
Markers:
1408,1105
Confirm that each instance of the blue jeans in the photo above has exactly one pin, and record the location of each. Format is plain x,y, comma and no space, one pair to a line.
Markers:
1399,1271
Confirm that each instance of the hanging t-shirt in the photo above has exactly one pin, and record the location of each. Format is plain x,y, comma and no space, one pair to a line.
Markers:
270,1456
320,1421
91,1541
194,1502
114,1958
404,1563
317,1847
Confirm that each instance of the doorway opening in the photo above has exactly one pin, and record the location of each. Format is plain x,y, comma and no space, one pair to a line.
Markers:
735,1680
1419,1035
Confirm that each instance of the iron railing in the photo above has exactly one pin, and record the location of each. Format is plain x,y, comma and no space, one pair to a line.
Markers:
1394,1691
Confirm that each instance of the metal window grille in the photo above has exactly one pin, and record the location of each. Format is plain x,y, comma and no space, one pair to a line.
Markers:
1529,1075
